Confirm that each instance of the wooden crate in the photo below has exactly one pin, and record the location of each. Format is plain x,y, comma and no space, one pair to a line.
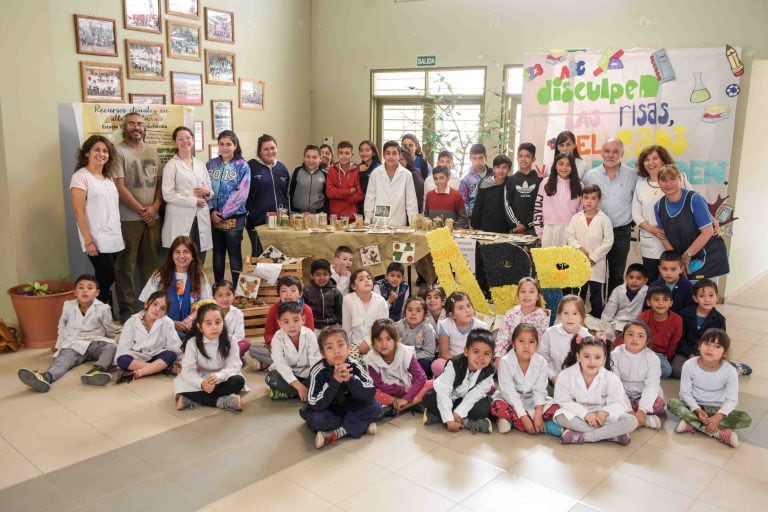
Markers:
255,319
268,293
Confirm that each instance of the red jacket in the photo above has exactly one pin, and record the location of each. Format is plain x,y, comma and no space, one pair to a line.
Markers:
666,334
338,190
272,326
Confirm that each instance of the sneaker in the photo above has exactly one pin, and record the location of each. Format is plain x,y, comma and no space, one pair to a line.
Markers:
483,425
684,427
431,419
275,394
183,402
417,409
169,372
623,439
229,403
387,412
504,425
372,428
572,437
253,363
652,421
35,380
741,368
325,438
552,428
96,377
124,376
728,437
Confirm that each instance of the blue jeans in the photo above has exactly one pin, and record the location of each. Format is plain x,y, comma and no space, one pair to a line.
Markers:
666,367
227,241
256,248
652,267
595,297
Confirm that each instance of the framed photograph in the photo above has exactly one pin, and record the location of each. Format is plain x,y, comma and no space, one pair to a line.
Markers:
186,88
146,99
186,8
95,36
183,40
219,25
221,115
213,151
251,94
142,15
198,135
102,82
144,60
219,67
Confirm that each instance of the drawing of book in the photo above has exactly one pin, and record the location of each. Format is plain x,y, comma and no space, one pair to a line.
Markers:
662,67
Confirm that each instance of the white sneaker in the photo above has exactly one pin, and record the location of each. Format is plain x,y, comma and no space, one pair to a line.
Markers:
372,429
504,425
652,421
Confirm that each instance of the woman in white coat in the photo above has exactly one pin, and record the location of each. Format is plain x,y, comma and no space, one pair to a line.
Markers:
186,187
391,197
591,232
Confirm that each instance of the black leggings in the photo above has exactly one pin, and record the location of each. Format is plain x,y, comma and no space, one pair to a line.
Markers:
482,409
104,270
229,387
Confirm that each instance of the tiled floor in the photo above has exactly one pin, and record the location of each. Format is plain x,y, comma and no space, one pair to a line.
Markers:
127,448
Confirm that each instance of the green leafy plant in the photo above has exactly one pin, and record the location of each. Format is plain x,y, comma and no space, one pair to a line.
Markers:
36,288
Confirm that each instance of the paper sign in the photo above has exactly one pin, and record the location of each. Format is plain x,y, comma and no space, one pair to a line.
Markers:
468,247
269,272
248,286
403,252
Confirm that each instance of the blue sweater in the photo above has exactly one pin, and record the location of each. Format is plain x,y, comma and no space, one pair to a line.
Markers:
689,344
682,294
269,191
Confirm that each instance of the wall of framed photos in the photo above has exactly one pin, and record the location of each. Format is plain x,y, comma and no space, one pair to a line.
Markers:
39,51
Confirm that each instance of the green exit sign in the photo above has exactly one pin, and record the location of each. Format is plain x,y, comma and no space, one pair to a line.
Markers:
426,60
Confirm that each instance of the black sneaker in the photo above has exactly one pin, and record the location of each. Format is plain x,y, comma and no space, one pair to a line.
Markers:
98,376
483,425
124,376
35,380
387,412
431,419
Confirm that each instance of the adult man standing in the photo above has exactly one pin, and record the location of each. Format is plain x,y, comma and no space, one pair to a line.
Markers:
617,184
137,176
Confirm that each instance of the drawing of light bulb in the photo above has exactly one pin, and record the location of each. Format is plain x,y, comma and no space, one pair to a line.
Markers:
700,93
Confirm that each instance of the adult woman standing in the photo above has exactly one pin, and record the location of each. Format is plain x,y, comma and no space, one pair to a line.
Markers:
231,181
688,227
95,204
269,188
647,194
414,147
186,187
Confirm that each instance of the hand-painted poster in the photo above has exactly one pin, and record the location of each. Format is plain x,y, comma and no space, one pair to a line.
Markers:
160,121
681,99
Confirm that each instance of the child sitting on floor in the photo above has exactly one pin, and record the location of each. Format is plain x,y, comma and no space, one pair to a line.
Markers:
294,352
149,342
452,331
224,296
435,300
85,334
626,300
342,267
666,326
460,395
340,399
322,295
416,331
399,378
527,311
359,310
394,290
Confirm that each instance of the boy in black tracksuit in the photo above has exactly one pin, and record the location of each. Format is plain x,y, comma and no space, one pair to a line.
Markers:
340,400
322,295
521,191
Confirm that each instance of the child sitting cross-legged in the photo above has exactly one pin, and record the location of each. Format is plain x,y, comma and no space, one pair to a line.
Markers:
294,352
416,331
322,295
148,342
666,326
626,300
399,378
460,395
394,290
340,402
522,400
85,334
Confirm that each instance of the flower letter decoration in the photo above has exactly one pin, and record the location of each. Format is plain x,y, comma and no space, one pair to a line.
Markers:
558,268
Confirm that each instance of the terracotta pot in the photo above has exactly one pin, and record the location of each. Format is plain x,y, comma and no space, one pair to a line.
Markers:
39,314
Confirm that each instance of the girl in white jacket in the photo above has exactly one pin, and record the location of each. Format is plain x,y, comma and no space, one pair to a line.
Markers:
593,404
522,398
148,342
639,369
390,199
359,310
557,339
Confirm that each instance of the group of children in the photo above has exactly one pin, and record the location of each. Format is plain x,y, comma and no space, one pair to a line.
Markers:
368,350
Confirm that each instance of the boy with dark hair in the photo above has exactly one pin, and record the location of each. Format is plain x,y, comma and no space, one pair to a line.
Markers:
444,159
626,300
489,204
343,184
394,289
85,334
342,268
307,187
522,188
340,399
443,201
289,289
470,182
294,352
671,275
666,326
322,295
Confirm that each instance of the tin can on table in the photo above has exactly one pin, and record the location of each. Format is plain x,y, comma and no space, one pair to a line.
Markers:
272,220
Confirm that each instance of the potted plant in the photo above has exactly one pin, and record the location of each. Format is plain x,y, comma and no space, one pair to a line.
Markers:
38,307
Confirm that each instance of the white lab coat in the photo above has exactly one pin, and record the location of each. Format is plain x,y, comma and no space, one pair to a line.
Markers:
596,238
398,193
179,182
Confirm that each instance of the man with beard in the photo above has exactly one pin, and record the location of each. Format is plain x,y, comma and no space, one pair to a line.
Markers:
138,179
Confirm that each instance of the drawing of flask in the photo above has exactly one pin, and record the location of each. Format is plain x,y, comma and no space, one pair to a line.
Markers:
700,93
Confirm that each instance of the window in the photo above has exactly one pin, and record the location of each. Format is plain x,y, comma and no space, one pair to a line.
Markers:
442,107
512,108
